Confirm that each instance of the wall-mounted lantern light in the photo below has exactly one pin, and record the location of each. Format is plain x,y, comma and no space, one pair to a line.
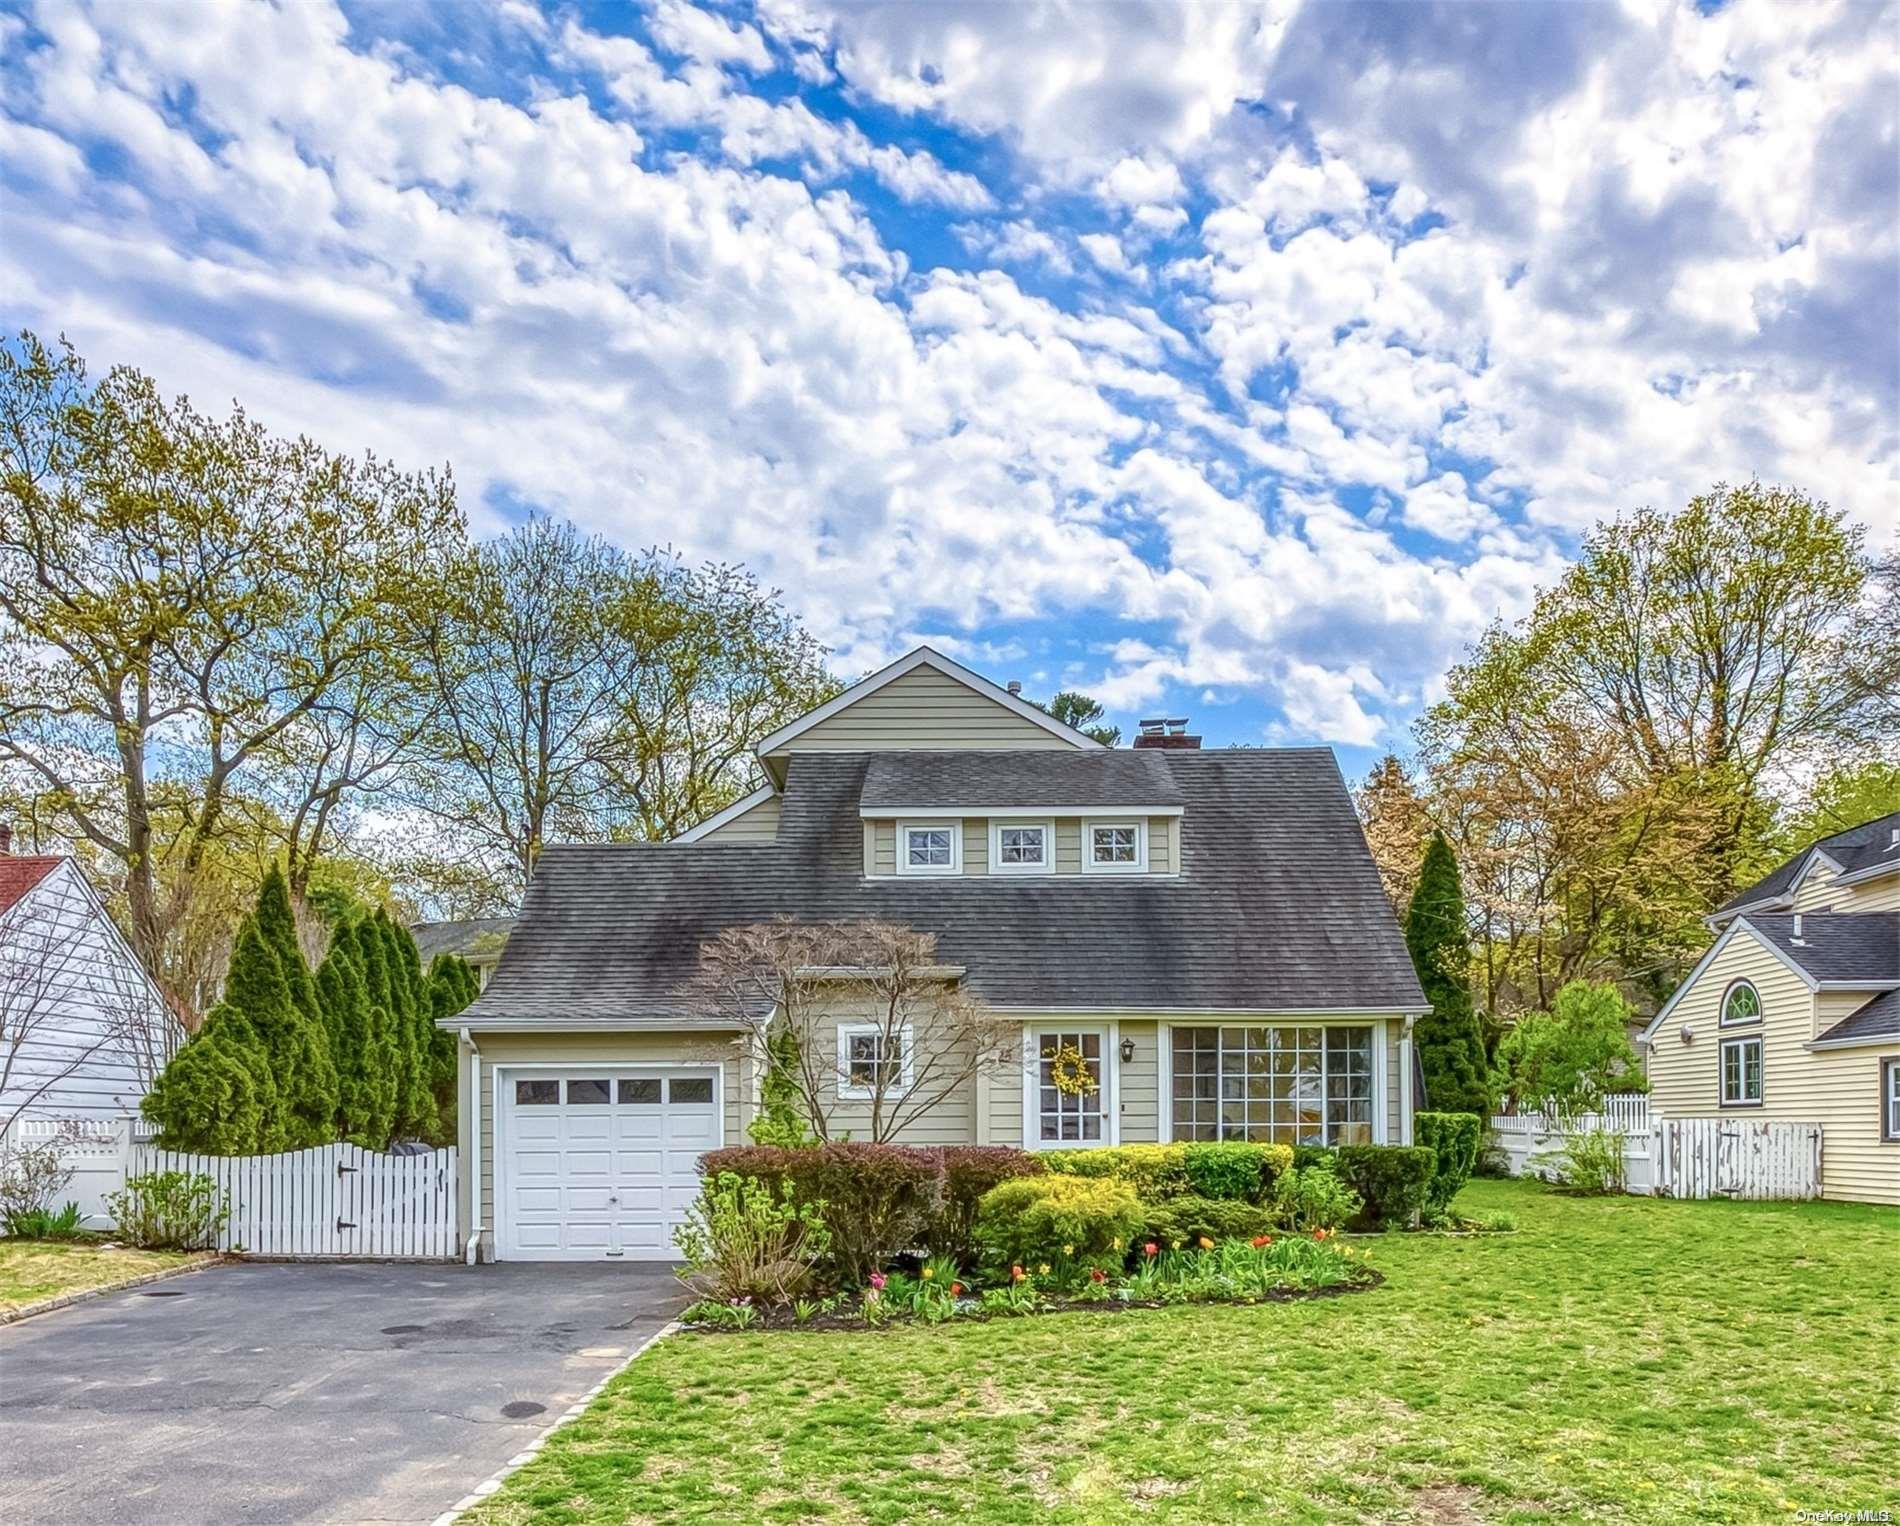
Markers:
1128,1051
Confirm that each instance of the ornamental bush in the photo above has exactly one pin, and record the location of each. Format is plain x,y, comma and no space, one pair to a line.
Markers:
1313,1197
877,1199
1185,1221
1453,1139
750,1237
169,1210
1391,1179
969,1171
1234,1170
1155,1171
1052,1219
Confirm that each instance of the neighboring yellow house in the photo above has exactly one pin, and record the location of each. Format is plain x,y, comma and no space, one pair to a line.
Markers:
1794,1014
1204,930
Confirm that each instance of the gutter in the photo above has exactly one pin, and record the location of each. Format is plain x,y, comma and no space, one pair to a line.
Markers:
474,1146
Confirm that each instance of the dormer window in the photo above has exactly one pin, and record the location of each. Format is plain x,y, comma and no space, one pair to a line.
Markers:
1022,847
930,847
1114,847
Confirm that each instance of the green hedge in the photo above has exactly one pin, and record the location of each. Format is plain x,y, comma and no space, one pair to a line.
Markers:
1392,1180
1234,1171
1182,1221
1454,1140
1052,1220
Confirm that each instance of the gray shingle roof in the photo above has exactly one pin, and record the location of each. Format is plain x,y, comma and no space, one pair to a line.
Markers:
1880,1018
1859,847
982,780
1843,946
1279,907
476,938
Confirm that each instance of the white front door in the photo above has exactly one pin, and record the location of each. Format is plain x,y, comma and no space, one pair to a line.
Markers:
1054,1118
599,1162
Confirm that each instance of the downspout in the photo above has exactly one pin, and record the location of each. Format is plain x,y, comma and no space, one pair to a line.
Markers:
474,1146
1405,1078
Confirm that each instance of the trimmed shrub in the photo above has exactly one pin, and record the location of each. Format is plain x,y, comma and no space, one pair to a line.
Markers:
1307,1156
1057,1219
1155,1171
876,1199
1235,1171
969,1171
1313,1197
1391,1179
1183,1221
1453,1139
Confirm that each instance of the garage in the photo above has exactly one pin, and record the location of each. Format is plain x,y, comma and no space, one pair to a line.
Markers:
599,1162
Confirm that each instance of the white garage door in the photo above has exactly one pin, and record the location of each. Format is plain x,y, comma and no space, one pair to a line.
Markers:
599,1162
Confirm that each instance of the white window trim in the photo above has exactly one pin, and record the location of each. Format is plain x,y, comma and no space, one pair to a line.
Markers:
1048,864
902,853
1721,1070
1111,1086
1376,1021
906,1077
1723,1020
1889,1100
1089,826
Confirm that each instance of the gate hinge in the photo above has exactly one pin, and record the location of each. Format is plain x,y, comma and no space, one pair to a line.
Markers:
344,1224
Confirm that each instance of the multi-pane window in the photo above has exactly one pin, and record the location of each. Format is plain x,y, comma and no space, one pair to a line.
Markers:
1890,1099
929,850
1022,847
1741,1072
1741,1004
1273,1085
1114,845
1069,1117
873,1062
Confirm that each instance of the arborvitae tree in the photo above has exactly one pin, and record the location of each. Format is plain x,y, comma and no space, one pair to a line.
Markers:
1450,1041
277,923
208,1099
450,985
415,1098
293,1043
366,1072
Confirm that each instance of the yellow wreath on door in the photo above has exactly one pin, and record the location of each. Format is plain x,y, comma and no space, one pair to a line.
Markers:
1069,1073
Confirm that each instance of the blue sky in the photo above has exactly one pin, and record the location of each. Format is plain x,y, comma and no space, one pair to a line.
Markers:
1237,362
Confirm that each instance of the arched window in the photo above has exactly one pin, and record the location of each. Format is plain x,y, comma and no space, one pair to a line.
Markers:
1741,1003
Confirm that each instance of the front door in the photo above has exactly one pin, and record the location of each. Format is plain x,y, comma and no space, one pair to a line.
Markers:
1069,1102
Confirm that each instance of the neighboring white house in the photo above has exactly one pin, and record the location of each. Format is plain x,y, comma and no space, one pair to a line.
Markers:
83,1027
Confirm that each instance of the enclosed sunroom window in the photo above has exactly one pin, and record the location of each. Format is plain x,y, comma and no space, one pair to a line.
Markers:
1306,1085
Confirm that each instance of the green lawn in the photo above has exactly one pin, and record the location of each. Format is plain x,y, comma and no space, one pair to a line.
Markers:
1616,1359
32,1270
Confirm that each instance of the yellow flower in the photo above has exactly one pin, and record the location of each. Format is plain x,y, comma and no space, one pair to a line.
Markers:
927,1273
1068,1250
1043,1270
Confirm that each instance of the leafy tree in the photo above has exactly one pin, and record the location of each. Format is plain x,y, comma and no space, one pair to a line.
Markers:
170,577
1842,797
1397,826
1080,713
1565,1061
1450,1041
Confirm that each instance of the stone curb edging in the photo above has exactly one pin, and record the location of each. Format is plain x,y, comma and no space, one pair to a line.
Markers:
63,1300
528,1453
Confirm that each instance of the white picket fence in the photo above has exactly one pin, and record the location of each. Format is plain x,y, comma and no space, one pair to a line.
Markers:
1737,1157
337,1202
1679,1157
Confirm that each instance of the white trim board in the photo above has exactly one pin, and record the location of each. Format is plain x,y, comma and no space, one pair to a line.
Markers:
1029,813
921,657
1110,1033
732,812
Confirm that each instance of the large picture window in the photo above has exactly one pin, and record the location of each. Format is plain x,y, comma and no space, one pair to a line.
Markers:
1273,1085
1890,1100
1741,1072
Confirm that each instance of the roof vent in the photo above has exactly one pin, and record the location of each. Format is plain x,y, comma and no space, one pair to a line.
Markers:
1797,927
1015,686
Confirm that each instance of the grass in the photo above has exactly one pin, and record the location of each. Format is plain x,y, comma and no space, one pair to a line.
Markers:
1617,1359
32,1270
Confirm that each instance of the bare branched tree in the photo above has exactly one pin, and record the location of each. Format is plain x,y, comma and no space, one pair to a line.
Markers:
883,1031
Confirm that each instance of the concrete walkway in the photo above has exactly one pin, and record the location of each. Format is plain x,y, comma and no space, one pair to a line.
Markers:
305,1393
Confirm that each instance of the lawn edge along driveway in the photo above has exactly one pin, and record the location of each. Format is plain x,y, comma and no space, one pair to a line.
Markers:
13,1313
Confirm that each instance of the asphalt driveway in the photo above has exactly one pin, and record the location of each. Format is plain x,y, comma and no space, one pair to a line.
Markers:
304,1393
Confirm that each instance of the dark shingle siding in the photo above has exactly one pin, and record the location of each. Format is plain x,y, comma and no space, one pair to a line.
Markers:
1279,907
975,781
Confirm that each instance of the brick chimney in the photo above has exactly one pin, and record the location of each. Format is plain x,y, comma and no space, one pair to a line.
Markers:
6,838
1166,731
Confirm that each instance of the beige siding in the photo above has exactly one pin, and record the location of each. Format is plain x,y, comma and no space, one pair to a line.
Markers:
582,1049
1141,1083
883,847
922,709
758,825
1818,892
1881,894
1837,1089
1160,845
1068,846
976,845
950,1120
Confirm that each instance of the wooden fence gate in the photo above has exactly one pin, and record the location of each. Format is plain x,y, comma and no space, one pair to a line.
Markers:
335,1201
1736,1157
